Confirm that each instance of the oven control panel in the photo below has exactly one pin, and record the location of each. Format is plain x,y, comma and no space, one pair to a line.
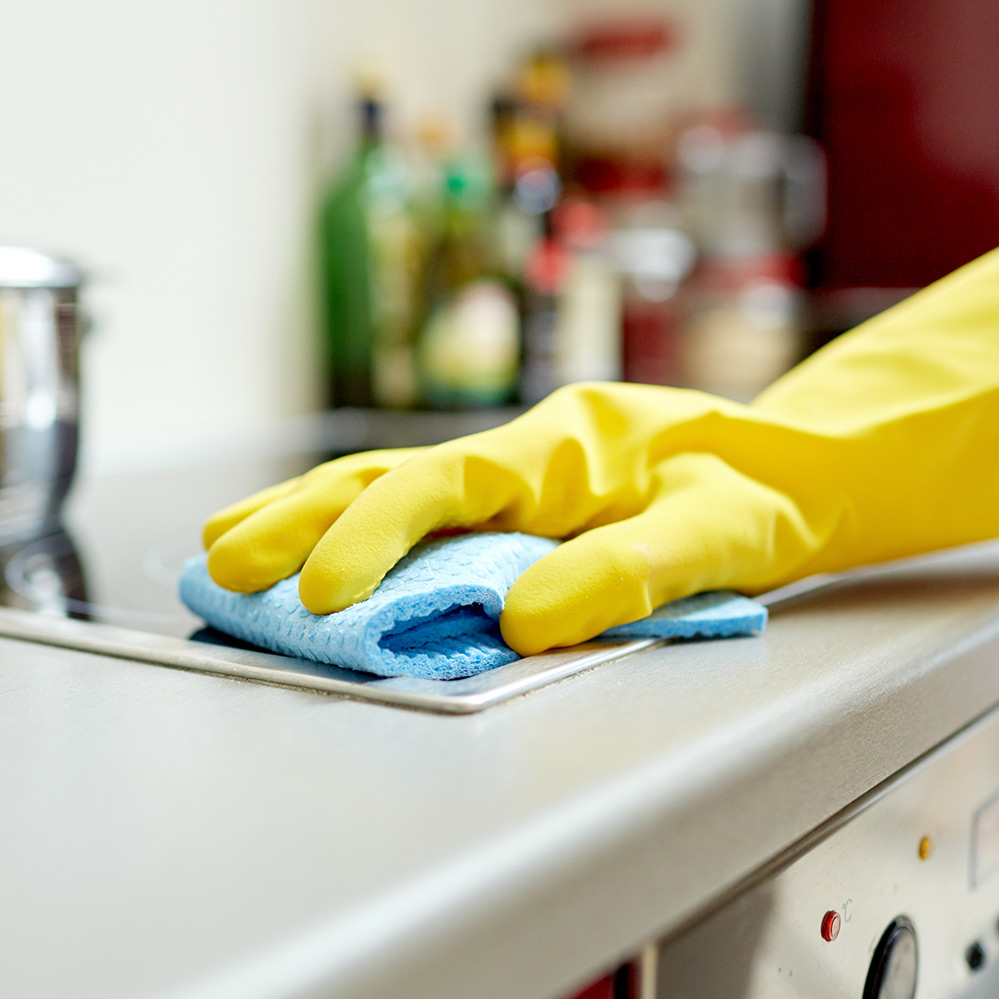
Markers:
897,898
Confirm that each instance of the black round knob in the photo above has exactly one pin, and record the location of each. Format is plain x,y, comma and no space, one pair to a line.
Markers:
895,964
975,956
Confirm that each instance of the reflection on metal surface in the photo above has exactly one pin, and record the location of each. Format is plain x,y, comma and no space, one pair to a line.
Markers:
45,575
39,389
985,842
979,556
449,696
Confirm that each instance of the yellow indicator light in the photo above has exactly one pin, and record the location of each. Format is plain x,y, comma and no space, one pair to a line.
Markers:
925,848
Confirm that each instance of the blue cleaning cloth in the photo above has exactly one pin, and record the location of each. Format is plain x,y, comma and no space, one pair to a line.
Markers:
435,615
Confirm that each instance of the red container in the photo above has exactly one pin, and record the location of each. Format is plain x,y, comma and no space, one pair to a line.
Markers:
904,96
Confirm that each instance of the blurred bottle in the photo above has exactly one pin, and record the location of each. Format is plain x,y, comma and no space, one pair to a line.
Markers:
752,201
525,125
526,182
653,257
542,86
572,326
467,323
526,129
544,275
428,165
588,325
628,89
367,254
742,327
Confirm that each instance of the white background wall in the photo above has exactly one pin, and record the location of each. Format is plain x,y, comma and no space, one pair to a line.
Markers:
163,145
175,147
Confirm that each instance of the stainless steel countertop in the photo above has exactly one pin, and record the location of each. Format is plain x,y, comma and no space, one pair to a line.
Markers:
168,833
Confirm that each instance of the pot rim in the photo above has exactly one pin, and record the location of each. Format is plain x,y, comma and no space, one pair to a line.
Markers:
22,267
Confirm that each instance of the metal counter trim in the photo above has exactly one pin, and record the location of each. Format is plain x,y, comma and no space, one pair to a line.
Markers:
465,696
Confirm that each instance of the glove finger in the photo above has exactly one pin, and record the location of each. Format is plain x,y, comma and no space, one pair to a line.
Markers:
452,485
227,518
711,529
578,459
274,540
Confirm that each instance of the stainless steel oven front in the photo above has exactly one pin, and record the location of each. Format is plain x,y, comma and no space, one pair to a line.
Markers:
896,897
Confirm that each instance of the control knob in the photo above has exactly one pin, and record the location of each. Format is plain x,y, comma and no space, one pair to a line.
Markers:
895,964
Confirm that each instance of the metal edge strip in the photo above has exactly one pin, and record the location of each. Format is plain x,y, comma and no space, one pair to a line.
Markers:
449,696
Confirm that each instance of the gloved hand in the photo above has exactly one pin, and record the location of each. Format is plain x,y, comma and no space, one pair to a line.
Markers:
270,534
883,444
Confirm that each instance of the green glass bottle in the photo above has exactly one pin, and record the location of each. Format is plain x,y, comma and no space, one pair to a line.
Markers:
467,319
366,272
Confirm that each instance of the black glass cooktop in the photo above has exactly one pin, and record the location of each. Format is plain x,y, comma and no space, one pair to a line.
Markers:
126,534
124,540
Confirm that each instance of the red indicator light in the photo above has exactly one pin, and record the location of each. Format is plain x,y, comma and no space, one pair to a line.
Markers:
830,926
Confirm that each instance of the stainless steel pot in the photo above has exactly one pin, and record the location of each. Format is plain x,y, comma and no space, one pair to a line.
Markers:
39,389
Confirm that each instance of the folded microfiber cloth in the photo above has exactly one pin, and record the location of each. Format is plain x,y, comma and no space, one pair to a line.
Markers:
435,615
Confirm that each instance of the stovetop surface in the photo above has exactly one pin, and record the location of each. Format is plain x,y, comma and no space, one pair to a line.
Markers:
127,532
118,558
116,565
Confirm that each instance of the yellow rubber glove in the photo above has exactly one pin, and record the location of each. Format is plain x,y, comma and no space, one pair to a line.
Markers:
883,444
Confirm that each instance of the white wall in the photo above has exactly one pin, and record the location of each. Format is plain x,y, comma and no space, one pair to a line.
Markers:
163,145
173,146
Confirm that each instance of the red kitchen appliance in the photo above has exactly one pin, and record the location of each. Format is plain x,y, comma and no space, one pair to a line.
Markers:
904,97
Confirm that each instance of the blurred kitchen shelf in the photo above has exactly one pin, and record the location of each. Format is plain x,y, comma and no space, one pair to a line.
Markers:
349,429
333,432
832,312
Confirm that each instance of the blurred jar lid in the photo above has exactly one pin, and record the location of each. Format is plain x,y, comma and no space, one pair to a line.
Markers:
21,267
629,38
